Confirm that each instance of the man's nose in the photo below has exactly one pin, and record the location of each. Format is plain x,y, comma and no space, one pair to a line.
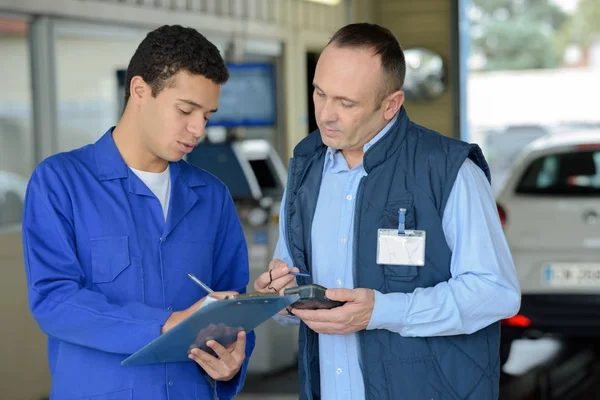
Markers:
196,128
326,113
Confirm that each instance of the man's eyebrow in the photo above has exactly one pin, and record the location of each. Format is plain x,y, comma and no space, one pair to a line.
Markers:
193,103
337,97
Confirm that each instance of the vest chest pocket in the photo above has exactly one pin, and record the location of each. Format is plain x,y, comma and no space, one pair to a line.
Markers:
115,272
399,273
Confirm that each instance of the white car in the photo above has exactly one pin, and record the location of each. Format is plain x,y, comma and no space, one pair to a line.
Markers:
550,210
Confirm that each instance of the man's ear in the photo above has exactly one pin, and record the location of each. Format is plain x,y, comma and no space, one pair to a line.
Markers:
393,104
139,90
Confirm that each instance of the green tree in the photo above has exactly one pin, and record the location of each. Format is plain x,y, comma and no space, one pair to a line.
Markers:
516,34
582,27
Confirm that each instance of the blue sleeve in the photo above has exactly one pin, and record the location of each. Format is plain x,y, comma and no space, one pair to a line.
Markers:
60,304
232,272
282,253
484,286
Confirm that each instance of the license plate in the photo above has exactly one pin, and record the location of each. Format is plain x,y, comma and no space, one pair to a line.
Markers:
572,274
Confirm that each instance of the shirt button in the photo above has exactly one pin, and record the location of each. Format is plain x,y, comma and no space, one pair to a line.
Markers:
349,197
170,383
170,308
344,239
338,371
162,239
339,282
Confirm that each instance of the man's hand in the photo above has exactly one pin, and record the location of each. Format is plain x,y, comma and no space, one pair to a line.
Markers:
352,317
179,316
277,279
229,360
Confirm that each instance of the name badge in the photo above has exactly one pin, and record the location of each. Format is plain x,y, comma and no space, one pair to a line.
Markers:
401,249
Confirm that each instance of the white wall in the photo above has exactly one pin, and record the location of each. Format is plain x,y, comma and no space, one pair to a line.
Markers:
16,146
545,97
14,61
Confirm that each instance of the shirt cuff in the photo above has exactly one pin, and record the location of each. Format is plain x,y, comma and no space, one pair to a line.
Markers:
286,320
152,331
389,311
228,390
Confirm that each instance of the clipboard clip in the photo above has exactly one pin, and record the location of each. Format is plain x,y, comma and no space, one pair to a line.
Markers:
251,294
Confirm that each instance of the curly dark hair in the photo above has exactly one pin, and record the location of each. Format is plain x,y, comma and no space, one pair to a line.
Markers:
170,49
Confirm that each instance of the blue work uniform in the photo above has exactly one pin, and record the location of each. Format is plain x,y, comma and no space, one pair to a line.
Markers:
105,271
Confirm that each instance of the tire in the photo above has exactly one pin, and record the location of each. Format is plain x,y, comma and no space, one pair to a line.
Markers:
505,345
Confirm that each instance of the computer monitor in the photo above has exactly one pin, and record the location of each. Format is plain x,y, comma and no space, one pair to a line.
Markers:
248,98
251,169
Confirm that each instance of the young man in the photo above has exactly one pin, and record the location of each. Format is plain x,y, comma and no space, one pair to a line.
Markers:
407,330
111,230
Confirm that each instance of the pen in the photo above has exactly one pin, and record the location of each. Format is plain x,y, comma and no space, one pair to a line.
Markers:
200,283
298,274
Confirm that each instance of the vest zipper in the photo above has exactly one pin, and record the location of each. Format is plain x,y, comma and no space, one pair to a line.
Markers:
357,208
288,229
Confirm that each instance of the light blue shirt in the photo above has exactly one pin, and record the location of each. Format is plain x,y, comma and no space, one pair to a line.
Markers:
483,288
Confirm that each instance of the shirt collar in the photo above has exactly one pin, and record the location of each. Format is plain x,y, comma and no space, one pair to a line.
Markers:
331,152
110,165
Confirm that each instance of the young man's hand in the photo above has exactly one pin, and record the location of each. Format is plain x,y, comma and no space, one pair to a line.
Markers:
228,361
179,316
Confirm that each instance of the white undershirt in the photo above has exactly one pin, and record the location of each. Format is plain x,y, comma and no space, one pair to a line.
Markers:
159,183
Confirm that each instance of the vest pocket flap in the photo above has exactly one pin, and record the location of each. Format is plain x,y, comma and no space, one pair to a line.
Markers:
400,273
110,256
391,213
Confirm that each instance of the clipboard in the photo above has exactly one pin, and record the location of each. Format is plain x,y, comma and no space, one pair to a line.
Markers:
220,320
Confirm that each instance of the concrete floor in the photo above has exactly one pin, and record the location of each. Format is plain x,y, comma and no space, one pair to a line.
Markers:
282,385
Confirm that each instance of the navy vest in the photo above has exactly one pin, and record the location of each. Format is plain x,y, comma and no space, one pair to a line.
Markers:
414,168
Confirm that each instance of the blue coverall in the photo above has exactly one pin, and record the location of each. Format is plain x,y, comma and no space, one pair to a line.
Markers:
105,271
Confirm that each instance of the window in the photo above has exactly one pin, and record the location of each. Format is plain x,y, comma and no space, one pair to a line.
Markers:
89,60
16,127
563,174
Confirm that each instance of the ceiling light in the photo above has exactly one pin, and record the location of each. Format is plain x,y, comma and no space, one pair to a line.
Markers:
328,2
